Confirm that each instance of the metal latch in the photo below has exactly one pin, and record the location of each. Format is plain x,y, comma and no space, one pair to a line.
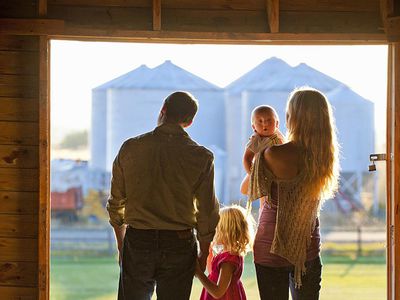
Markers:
373,158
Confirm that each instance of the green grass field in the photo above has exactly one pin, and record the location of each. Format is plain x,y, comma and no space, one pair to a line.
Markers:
97,278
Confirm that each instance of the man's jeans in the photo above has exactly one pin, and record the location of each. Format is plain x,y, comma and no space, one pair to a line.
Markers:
273,283
157,258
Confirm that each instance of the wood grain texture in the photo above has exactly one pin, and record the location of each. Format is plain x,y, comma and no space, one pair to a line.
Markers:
20,293
18,273
330,5
19,109
42,8
395,89
393,29
298,5
30,26
19,42
389,174
15,180
333,22
18,202
19,133
44,171
18,9
18,249
185,37
231,21
20,226
18,86
214,21
18,63
19,157
104,17
156,14
273,15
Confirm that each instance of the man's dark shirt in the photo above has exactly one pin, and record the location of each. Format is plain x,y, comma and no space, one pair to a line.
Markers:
164,180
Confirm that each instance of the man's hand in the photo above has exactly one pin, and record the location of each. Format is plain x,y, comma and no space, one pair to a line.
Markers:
202,258
198,270
202,261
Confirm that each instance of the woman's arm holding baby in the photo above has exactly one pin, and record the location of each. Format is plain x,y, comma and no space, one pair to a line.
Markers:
248,160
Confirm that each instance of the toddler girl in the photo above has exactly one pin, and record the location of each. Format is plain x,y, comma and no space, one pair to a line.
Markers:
233,238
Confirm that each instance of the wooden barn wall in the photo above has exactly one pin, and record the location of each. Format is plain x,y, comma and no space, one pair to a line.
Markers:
306,16
23,128
19,91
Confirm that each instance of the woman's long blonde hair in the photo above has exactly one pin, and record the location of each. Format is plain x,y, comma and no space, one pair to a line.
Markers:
311,126
235,230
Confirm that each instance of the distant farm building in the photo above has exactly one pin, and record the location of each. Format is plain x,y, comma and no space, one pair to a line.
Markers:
270,83
129,105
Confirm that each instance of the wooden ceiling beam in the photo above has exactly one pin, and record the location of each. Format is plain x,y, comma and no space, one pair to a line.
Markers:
156,15
182,37
59,29
390,21
31,26
272,7
42,7
393,29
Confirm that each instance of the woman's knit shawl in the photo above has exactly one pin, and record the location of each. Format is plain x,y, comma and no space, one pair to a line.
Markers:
296,214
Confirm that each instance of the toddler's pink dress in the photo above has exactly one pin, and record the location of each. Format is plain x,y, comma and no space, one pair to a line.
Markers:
235,290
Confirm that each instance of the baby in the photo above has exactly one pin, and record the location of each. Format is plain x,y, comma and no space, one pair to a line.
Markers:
265,123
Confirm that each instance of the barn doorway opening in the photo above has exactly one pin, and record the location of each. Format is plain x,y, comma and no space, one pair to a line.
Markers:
103,93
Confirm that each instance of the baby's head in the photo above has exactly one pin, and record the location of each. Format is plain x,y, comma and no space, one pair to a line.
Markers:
264,120
235,229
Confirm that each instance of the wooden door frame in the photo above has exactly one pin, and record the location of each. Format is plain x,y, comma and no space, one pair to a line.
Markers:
393,172
393,141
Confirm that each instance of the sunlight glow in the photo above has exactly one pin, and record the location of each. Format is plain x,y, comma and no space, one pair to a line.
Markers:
77,67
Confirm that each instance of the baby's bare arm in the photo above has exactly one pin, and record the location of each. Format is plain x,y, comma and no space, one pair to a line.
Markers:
248,160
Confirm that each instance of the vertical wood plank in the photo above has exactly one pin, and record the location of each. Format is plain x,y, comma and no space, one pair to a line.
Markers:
389,175
393,172
273,15
396,200
44,171
156,14
42,8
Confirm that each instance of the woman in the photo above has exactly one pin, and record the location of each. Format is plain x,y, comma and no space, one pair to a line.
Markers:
295,177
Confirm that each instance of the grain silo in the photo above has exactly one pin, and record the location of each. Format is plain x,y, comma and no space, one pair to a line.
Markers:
133,101
273,88
237,118
98,133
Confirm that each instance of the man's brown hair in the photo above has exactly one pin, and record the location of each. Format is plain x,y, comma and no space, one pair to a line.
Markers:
181,107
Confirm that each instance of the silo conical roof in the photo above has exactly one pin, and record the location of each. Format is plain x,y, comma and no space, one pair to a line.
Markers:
275,74
170,76
343,94
165,76
302,75
260,76
128,80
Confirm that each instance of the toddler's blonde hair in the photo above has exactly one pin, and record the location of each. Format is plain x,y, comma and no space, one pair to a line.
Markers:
235,230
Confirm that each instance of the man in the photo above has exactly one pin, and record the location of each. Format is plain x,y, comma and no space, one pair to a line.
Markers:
162,188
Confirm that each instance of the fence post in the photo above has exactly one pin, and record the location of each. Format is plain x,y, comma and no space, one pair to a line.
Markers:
359,242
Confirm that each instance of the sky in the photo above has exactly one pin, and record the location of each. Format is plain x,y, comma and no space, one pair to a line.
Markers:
78,67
